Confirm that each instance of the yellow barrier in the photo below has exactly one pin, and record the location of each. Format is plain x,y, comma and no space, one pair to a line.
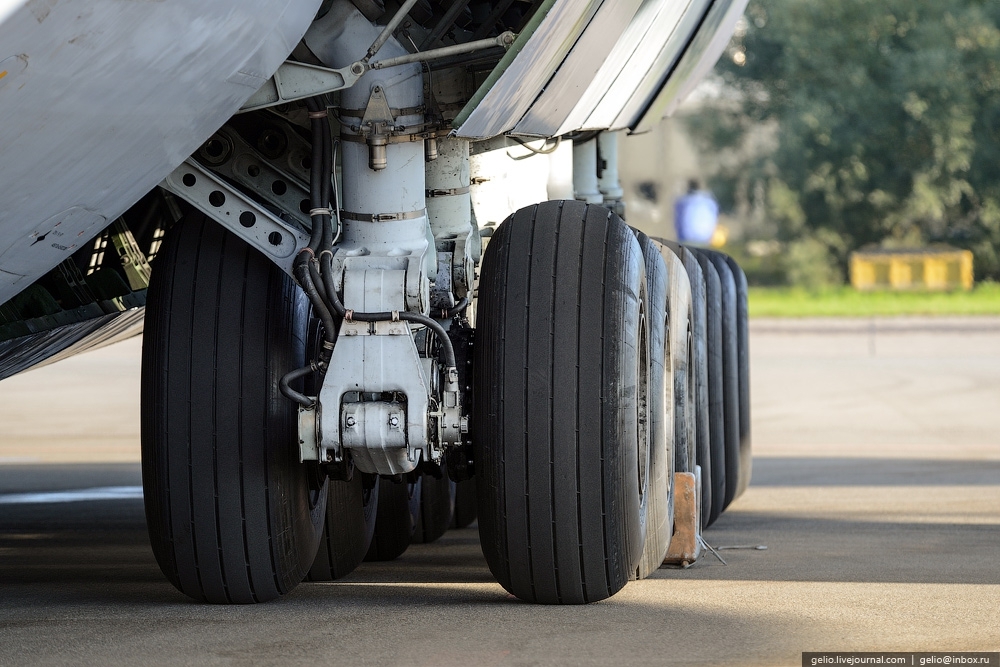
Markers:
920,269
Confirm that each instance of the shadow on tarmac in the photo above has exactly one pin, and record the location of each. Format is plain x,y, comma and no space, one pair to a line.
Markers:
848,471
84,572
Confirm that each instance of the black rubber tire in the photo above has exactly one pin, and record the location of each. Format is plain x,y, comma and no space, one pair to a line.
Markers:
233,516
730,371
681,357
559,392
660,503
396,518
351,509
465,503
716,399
743,360
437,506
700,373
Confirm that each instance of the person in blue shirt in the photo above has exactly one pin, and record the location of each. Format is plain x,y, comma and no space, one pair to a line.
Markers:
696,215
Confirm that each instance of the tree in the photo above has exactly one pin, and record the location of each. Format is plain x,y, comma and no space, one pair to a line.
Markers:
887,117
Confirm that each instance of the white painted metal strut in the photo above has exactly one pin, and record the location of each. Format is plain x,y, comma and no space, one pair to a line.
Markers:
297,81
503,39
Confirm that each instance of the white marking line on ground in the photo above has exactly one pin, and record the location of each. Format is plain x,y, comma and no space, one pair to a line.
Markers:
72,496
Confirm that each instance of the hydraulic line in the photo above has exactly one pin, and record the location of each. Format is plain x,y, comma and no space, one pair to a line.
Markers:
327,177
317,119
544,150
305,269
326,266
458,308
336,193
302,275
288,392
321,237
313,266
317,280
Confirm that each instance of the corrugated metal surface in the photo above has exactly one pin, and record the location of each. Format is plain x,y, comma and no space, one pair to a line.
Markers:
596,66
46,347
578,73
703,51
539,53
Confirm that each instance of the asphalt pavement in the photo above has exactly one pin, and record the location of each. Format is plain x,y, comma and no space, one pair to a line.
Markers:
876,492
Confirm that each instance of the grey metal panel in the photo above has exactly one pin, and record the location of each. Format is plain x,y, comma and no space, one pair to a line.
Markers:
651,64
103,98
628,63
700,57
527,75
575,75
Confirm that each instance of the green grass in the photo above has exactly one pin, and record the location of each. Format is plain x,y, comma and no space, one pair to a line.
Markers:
984,299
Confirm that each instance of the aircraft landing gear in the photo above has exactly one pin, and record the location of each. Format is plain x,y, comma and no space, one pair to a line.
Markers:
349,528
662,440
233,515
561,413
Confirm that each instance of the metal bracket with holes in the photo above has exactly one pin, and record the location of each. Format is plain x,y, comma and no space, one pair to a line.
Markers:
228,155
278,240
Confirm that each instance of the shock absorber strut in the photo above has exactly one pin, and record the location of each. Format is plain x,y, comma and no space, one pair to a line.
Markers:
380,399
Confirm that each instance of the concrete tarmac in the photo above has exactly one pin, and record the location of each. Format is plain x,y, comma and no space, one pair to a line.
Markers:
876,490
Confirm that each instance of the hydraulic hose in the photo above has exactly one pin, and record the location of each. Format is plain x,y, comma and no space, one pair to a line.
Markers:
305,269
462,304
318,283
326,178
300,269
326,270
317,119
316,278
336,193
286,389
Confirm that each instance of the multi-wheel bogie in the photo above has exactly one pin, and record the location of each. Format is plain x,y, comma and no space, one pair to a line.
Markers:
326,381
